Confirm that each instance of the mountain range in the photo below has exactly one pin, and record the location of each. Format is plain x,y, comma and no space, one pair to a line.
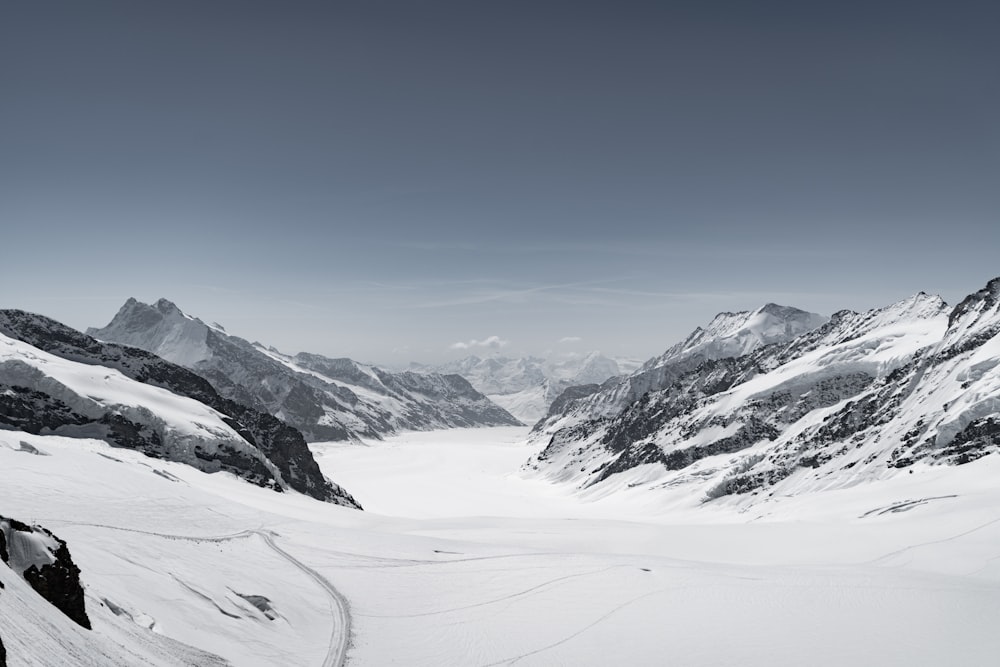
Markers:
326,399
779,401
848,454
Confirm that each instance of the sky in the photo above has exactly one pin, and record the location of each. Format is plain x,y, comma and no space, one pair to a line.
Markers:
397,181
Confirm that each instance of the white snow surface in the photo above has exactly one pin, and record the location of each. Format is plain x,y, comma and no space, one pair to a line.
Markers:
462,561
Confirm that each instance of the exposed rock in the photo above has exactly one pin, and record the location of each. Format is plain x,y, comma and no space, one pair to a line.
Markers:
45,563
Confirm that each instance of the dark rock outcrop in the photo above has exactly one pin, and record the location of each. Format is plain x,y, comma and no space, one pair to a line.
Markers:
58,579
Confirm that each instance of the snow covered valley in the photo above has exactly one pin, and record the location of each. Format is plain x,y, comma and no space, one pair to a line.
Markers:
463,558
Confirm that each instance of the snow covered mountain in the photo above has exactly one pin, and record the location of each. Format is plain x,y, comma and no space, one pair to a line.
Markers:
527,386
326,399
54,379
779,402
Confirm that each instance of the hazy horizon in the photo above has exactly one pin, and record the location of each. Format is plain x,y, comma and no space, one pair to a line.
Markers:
490,346
384,180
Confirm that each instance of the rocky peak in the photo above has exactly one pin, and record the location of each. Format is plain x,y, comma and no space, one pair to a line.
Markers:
783,312
167,307
980,302
161,328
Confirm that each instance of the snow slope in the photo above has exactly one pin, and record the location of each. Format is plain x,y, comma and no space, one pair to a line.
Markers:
500,569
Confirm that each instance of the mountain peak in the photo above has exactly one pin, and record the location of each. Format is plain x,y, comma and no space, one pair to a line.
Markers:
977,302
162,328
920,306
166,306
782,312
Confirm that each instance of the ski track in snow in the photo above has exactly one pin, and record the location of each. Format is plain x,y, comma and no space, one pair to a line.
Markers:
504,598
517,658
340,632
897,552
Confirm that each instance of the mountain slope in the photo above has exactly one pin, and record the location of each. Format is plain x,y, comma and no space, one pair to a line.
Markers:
861,397
54,379
728,335
326,399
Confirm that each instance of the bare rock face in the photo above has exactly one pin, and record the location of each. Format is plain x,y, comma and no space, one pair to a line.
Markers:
44,561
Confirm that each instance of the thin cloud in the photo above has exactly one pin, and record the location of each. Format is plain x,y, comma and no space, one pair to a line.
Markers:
493,342
516,295
570,339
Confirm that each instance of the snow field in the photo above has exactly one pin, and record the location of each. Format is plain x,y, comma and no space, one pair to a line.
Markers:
463,561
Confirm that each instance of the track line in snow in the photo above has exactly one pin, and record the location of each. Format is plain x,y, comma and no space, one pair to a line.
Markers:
517,658
926,544
336,655
504,598
340,634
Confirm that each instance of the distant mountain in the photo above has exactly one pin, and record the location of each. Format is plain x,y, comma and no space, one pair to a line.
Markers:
55,380
326,399
527,386
782,401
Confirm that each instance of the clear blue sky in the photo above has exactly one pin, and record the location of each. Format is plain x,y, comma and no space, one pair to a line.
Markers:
385,179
